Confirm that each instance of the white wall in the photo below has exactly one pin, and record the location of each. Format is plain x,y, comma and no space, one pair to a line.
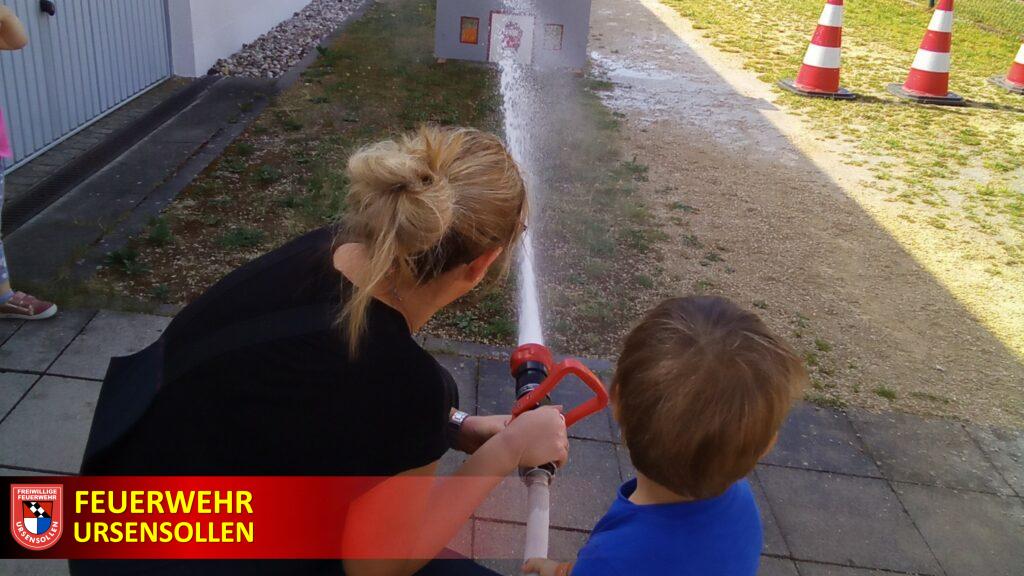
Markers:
203,31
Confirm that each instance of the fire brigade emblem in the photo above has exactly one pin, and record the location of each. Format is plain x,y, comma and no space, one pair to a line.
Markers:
37,519
512,36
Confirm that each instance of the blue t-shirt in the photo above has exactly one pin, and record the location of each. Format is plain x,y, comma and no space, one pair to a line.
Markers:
719,536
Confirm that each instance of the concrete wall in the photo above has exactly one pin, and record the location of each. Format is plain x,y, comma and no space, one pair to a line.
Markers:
203,31
573,15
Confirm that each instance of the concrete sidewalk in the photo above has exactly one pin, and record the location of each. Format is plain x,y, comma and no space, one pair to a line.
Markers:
845,493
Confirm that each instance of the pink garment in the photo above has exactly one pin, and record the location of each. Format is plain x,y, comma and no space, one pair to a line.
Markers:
5,144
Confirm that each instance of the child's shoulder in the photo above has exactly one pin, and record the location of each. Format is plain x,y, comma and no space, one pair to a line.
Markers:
715,536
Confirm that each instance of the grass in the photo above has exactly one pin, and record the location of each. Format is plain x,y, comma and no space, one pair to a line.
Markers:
268,174
880,39
126,262
238,238
824,400
885,392
286,174
636,170
160,232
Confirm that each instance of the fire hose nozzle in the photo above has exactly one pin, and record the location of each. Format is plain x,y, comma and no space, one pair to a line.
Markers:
537,375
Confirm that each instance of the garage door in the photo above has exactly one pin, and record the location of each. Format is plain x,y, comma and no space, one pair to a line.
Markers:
83,61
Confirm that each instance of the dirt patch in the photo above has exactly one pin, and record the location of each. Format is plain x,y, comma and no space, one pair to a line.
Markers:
754,213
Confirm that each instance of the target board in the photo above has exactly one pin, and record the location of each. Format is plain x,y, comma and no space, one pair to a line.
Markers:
511,38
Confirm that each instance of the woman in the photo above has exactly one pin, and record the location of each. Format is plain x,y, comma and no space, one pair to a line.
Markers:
259,378
14,305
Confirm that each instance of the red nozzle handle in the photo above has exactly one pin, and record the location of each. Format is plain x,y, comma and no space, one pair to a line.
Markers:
567,367
531,353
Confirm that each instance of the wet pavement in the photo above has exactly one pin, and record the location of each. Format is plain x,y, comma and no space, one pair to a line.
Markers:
847,493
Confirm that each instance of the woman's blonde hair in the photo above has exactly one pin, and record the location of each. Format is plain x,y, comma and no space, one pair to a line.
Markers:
425,203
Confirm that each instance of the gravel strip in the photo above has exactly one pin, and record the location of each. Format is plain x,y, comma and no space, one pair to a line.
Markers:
272,54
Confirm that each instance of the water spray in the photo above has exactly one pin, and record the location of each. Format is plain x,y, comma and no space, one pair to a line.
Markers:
533,367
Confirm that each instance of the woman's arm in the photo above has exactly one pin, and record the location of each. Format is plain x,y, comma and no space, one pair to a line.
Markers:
477,430
12,32
419,518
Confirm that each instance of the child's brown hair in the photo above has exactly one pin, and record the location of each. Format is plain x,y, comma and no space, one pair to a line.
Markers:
701,389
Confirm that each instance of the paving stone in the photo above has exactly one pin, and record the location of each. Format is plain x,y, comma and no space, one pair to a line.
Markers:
774,543
970,533
844,520
1005,449
54,239
463,370
9,472
499,546
462,543
34,567
936,452
580,495
616,431
456,347
8,328
571,393
48,429
602,367
450,462
40,248
812,569
12,387
821,439
495,393
37,344
777,567
626,469
109,334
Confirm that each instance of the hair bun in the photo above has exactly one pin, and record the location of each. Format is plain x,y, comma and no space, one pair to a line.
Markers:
425,203
404,182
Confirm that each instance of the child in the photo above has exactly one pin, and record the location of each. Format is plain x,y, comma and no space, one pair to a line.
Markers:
700,392
17,305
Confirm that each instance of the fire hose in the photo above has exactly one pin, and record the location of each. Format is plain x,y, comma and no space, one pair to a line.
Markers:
536,376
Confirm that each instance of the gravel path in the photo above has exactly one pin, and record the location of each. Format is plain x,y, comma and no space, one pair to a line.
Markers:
272,54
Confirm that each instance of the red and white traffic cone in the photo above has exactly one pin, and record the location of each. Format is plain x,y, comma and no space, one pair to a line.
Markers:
819,73
1014,80
928,81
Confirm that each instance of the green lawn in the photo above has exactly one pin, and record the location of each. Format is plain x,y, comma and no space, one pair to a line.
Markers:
934,146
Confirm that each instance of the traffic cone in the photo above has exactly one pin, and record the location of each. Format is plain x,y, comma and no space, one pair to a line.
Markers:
1014,80
819,73
928,81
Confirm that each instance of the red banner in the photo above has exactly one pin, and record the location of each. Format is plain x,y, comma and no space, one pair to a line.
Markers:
220,517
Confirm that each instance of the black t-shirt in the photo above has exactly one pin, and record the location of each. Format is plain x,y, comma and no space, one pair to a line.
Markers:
296,405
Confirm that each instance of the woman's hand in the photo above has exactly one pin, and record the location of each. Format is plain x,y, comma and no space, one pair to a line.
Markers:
477,430
546,567
538,437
